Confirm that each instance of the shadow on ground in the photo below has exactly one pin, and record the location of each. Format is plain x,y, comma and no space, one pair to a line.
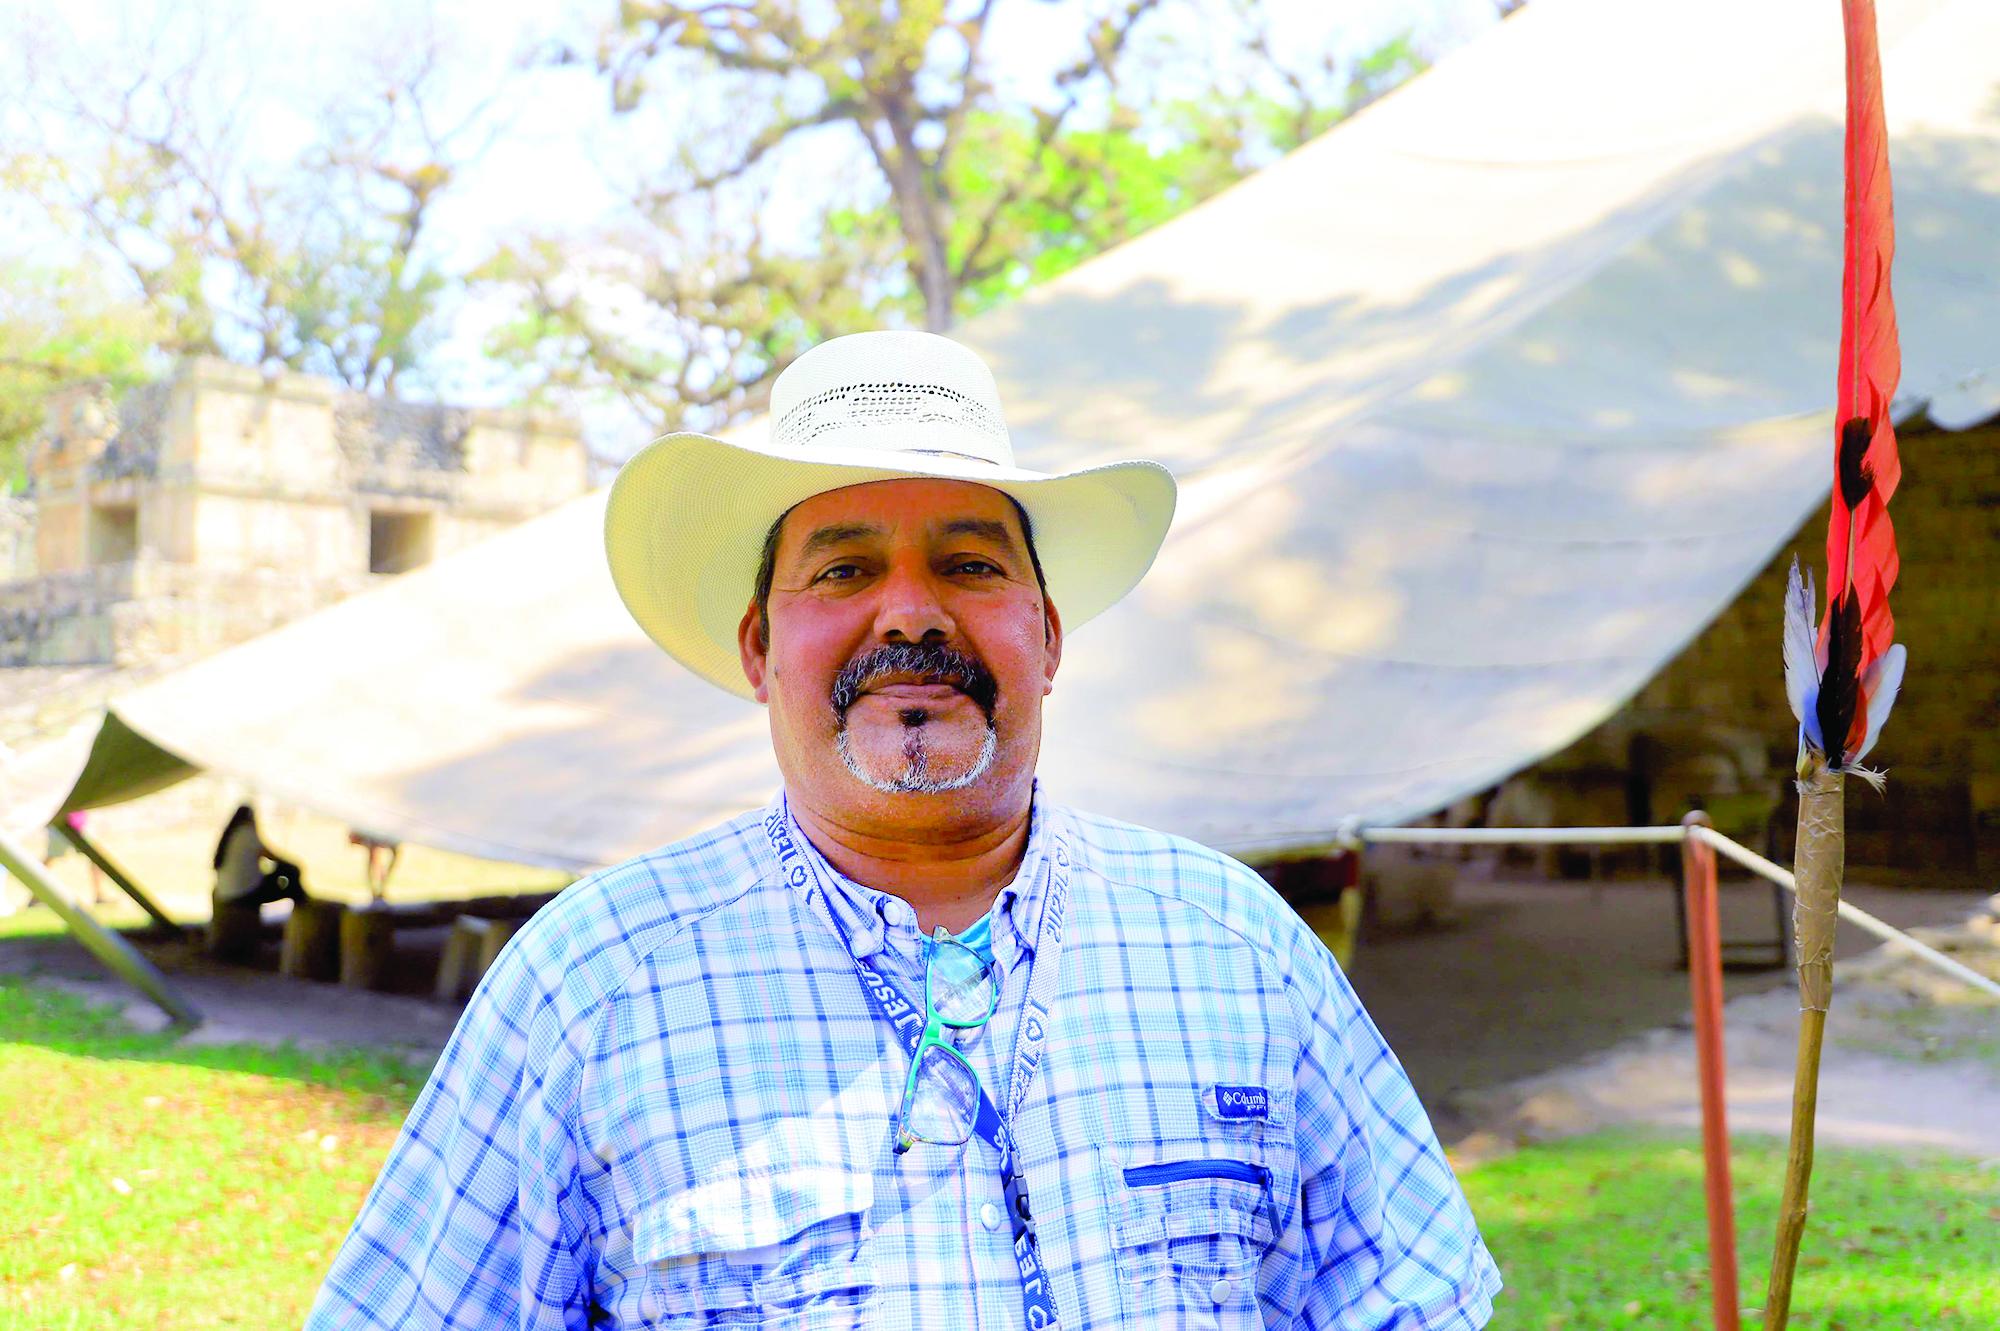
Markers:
1535,974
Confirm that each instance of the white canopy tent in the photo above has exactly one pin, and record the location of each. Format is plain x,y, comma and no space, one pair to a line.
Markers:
1484,404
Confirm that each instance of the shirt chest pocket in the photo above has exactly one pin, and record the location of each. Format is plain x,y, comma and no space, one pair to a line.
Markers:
1191,1222
784,1247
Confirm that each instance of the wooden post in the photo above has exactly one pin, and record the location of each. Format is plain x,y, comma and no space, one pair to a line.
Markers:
1704,951
234,928
118,876
367,945
456,961
497,934
1347,909
119,955
311,948
469,953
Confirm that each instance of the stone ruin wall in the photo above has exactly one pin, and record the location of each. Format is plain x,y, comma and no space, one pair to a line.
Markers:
219,503
1714,725
17,539
146,611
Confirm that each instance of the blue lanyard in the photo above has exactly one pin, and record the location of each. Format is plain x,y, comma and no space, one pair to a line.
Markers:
907,1020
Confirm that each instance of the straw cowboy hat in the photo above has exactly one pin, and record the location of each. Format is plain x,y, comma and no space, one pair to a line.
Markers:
685,524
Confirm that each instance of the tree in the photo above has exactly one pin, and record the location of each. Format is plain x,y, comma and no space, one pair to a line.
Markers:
680,317
904,78
962,195
59,327
137,156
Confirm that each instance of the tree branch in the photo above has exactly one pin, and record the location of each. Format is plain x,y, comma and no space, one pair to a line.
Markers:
1106,42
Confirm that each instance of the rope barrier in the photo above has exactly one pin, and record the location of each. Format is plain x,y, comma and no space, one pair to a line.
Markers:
1734,850
1853,914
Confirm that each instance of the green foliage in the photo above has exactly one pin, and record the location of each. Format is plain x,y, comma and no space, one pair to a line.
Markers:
59,328
137,152
959,198
1094,189
800,174
720,311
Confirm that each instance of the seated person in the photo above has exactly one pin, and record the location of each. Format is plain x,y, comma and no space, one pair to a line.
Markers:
240,876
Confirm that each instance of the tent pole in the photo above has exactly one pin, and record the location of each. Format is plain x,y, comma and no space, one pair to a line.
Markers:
117,875
117,954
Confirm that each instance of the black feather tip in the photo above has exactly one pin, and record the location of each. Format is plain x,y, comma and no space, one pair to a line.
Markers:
1840,683
1857,478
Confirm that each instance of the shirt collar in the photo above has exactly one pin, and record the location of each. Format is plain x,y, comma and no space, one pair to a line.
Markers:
874,919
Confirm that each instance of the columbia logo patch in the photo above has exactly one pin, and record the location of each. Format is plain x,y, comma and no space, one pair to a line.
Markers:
1242,1102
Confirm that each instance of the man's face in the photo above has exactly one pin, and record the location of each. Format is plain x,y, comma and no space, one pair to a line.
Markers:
910,649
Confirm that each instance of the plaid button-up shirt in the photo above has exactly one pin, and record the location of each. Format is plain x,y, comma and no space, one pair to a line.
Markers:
670,1104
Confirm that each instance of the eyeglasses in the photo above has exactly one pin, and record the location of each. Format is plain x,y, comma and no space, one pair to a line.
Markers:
941,1094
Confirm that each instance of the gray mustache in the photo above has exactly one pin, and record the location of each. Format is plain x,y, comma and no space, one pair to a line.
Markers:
927,662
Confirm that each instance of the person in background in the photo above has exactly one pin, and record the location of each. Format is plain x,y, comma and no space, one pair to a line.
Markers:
240,876
60,845
383,852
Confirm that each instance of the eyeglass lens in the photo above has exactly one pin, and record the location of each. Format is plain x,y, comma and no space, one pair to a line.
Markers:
959,985
946,1099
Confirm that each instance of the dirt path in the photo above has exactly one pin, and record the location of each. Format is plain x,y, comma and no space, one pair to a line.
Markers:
1549,1008
242,1006
1912,1060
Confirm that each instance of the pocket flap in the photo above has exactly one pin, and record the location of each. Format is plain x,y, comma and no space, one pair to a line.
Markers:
1182,1212
739,1212
1171,1190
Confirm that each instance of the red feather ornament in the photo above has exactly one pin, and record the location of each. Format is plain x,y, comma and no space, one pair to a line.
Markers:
1842,681
1858,666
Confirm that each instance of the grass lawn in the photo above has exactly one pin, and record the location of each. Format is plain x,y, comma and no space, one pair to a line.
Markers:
1609,1231
149,1184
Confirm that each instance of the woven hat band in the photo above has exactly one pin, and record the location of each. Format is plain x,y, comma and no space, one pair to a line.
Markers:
933,439
688,515
900,416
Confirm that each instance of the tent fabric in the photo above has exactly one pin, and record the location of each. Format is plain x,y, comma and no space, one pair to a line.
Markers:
1483,404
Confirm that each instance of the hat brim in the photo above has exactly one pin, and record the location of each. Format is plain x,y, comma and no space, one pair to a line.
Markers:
685,523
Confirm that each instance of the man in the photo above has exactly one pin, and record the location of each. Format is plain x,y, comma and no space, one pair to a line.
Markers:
912,1046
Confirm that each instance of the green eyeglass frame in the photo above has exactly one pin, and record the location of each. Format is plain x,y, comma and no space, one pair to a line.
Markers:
960,994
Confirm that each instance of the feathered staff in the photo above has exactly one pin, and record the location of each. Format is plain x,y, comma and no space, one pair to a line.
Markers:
1843,680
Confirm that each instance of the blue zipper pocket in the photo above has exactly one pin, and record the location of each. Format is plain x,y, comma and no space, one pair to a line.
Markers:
1180,1171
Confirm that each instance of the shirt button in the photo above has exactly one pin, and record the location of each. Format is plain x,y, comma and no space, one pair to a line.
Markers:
989,1216
1221,1290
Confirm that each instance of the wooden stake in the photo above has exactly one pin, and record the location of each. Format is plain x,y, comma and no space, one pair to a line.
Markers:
1818,864
1798,1171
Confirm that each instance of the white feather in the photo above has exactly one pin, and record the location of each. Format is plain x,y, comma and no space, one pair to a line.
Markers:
1880,686
1801,669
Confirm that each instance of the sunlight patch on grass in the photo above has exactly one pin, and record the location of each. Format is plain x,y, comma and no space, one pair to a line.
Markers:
1610,1231
154,1185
